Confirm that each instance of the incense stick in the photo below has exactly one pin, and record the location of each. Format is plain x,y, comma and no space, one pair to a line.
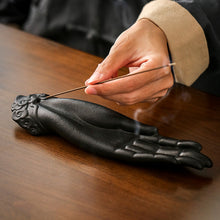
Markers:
109,80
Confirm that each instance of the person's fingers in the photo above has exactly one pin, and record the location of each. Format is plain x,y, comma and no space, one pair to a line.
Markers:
157,96
148,50
129,84
138,44
107,69
130,99
149,93
118,57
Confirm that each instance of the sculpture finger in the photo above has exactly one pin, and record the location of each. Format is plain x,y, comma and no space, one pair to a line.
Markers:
200,160
155,152
185,153
137,154
187,161
147,157
137,127
163,141
143,151
146,147
189,145
181,144
171,142
147,129
155,148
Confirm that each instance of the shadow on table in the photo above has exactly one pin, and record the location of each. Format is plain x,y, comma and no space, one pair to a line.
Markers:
149,173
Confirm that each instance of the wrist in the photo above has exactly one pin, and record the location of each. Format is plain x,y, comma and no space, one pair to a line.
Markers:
185,37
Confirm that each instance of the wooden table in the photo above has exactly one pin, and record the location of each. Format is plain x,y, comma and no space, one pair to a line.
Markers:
48,178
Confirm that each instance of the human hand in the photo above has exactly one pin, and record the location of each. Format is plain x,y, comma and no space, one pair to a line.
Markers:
141,47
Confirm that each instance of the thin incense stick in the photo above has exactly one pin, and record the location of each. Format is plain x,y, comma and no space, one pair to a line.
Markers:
109,80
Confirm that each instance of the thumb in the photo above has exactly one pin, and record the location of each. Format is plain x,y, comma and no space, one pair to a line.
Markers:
109,67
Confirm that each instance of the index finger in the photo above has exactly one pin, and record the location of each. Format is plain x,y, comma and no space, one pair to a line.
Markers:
129,83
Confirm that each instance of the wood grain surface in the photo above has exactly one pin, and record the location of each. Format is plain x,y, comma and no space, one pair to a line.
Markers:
47,178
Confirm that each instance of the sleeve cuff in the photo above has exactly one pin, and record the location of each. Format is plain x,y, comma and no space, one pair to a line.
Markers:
186,39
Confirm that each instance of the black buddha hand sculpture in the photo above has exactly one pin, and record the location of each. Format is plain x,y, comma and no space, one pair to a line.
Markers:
103,131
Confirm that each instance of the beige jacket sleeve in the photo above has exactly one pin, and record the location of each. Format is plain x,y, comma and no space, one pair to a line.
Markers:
186,38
